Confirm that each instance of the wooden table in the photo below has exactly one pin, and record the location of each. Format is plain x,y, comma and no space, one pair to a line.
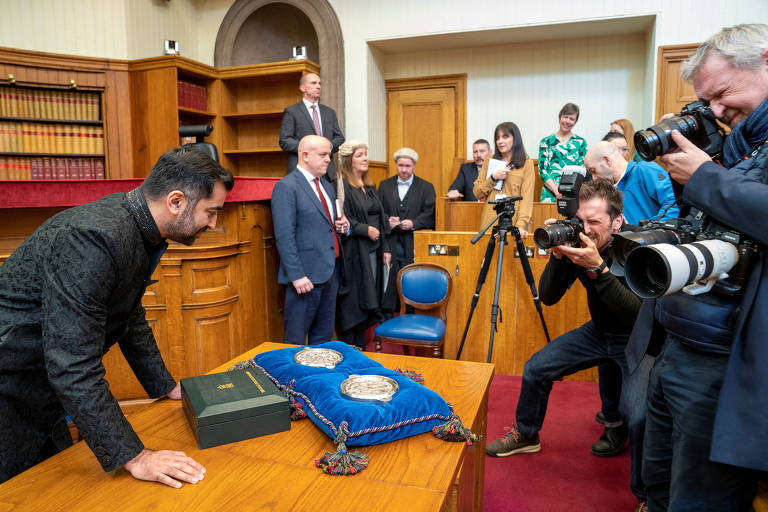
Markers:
277,472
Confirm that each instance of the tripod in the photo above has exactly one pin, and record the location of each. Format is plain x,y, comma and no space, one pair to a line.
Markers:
500,231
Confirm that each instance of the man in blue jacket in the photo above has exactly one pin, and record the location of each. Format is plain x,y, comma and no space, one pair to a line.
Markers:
709,380
646,186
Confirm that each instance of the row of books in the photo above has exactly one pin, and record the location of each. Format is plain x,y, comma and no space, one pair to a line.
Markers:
21,168
191,95
49,104
26,137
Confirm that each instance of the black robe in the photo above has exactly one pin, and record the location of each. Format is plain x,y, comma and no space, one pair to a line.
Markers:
418,205
360,301
67,294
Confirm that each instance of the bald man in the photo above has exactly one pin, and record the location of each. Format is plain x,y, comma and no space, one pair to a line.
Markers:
646,186
307,234
309,117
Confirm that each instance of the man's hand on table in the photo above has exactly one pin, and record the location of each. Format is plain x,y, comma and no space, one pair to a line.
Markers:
175,393
165,466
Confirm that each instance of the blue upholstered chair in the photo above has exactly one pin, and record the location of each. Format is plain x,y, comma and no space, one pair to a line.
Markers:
426,287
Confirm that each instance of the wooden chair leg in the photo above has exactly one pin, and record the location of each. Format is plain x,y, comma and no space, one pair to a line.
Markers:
436,351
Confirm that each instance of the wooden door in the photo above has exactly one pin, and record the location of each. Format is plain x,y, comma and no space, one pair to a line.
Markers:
672,92
428,115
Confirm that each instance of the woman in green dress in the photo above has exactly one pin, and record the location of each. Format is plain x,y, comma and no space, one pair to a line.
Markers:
562,148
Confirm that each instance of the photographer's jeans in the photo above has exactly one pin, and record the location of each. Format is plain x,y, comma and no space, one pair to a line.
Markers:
579,349
682,399
609,383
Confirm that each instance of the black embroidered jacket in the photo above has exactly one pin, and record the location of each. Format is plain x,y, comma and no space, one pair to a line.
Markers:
67,294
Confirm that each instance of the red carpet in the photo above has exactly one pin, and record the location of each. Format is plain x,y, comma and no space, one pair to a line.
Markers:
564,475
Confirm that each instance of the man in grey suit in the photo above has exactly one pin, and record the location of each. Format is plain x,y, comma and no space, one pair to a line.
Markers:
307,230
309,117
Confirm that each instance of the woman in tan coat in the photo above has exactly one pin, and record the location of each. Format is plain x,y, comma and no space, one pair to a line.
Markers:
517,177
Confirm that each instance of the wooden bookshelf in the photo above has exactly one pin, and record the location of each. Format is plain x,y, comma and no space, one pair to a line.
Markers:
253,99
62,125
54,79
243,103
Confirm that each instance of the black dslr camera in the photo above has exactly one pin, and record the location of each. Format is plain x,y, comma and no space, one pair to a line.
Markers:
565,230
694,255
696,122
505,205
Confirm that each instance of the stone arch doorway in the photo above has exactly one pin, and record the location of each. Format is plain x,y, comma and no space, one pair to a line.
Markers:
265,29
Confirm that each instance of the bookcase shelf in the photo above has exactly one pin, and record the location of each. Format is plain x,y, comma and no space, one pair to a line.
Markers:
253,151
253,115
51,121
185,111
53,155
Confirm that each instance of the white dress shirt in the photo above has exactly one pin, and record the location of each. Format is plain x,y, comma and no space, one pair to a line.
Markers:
311,180
403,186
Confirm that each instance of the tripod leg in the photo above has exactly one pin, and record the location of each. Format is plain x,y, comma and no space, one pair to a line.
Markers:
529,279
480,281
495,306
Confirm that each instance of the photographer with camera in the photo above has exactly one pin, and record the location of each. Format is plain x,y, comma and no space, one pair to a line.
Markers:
612,305
708,391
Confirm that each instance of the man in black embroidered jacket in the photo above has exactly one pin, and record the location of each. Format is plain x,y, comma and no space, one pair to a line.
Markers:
72,290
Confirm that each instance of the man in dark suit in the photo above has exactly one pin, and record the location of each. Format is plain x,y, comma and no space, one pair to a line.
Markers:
309,117
71,291
409,204
306,224
461,188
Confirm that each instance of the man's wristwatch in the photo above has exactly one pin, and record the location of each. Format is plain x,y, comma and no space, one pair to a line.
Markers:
593,272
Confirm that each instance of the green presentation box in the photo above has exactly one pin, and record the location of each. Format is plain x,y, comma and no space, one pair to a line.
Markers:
233,406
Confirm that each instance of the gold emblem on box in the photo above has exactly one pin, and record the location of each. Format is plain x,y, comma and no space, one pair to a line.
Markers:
226,386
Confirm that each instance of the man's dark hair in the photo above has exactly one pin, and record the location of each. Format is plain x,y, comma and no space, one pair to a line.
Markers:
568,109
482,141
188,170
518,150
602,189
612,136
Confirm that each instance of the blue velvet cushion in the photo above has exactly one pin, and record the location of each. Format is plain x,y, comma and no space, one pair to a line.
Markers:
414,409
280,365
424,285
413,327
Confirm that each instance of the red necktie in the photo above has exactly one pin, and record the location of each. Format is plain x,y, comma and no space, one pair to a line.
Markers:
328,213
316,120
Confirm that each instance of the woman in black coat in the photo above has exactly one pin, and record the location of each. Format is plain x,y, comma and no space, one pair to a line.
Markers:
365,247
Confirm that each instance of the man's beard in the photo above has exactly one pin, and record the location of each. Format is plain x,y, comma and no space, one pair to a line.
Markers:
183,229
